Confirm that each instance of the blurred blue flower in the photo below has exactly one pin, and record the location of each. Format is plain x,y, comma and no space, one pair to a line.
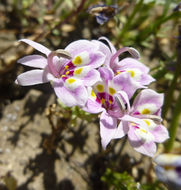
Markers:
103,12
168,170
178,7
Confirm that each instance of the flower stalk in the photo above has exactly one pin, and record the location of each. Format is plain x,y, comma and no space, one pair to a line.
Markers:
169,98
174,125
173,85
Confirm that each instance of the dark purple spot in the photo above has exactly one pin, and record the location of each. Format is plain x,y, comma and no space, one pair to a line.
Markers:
178,170
70,65
136,113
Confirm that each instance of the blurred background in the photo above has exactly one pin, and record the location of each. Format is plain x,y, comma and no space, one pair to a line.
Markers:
45,146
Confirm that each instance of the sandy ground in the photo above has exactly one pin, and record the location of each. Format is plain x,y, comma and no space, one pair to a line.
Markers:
77,161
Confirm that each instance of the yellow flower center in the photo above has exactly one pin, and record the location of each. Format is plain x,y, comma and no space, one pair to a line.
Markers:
110,101
67,72
145,111
66,67
112,91
78,71
102,100
93,94
70,81
147,122
100,88
132,73
143,130
77,60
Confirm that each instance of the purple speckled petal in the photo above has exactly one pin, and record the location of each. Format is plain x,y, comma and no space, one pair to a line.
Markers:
36,61
37,46
108,126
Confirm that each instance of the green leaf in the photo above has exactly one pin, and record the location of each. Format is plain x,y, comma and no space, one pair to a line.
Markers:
123,181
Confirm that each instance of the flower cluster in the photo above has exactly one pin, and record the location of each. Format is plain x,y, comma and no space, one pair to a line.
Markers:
90,75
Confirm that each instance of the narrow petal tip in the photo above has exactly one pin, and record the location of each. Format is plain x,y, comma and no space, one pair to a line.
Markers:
16,81
134,53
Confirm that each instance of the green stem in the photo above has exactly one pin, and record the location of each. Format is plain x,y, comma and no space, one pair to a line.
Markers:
130,18
169,99
160,73
173,85
174,125
166,7
154,27
169,96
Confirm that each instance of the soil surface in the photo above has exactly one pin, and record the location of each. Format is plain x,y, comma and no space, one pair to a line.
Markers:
76,162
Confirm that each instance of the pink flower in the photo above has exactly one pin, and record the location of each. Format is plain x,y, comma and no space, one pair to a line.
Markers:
102,98
137,71
141,123
70,74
